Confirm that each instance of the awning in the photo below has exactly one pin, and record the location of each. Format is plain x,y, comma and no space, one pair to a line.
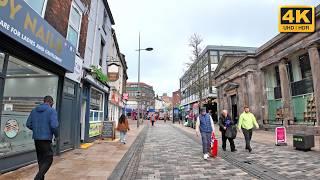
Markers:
88,78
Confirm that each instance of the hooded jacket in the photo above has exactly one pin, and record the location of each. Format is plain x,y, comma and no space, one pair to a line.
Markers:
43,122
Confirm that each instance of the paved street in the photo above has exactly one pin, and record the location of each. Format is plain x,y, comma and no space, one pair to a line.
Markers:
173,152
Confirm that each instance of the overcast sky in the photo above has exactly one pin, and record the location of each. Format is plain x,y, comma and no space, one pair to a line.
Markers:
166,25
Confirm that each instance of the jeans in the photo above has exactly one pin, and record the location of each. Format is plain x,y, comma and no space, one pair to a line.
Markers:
44,156
247,136
123,135
152,122
206,141
224,141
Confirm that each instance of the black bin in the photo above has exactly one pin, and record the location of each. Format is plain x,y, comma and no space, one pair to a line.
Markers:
303,142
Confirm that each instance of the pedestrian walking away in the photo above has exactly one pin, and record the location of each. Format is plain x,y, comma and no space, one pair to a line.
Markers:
246,123
227,125
44,124
123,128
205,126
153,118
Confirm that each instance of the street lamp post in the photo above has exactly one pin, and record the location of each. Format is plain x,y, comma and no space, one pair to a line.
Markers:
139,89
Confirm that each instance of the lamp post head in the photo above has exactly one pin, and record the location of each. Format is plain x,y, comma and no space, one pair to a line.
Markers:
149,49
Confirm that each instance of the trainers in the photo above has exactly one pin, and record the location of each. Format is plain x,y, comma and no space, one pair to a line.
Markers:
205,156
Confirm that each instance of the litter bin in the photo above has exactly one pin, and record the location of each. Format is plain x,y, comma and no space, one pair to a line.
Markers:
303,142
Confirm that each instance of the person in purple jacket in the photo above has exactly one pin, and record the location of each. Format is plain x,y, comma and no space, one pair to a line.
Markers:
44,124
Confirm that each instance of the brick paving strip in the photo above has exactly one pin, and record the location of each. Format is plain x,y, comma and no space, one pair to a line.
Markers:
127,167
254,169
169,154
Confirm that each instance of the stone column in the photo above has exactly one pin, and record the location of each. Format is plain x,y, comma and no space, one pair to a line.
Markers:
315,67
252,87
285,92
244,89
264,98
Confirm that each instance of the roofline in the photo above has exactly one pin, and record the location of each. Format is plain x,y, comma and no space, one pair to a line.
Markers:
280,37
109,11
215,47
128,83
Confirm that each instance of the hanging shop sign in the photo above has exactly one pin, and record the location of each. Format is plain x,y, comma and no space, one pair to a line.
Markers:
20,22
113,72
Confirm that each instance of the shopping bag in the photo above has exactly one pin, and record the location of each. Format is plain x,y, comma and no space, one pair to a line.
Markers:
214,145
231,132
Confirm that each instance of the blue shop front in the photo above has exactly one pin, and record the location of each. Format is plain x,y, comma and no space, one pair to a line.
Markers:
34,58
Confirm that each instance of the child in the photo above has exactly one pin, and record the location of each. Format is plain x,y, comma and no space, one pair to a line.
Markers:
123,127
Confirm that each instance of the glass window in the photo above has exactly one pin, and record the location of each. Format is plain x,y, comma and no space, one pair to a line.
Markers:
69,88
305,66
38,6
96,112
101,53
25,87
214,59
2,56
74,26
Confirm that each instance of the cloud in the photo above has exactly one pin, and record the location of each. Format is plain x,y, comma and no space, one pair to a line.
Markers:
166,25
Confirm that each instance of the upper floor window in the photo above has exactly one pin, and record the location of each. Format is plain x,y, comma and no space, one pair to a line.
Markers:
105,21
101,53
39,6
74,26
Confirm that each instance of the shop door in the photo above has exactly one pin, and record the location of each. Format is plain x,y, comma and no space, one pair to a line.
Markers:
68,120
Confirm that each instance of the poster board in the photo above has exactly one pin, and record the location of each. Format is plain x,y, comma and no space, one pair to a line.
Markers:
281,136
108,129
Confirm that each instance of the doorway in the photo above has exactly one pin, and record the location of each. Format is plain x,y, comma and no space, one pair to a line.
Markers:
68,123
234,108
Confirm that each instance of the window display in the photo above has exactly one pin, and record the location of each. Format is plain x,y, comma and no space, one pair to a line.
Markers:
25,87
96,112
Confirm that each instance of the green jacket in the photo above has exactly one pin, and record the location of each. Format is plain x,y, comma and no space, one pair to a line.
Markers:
247,121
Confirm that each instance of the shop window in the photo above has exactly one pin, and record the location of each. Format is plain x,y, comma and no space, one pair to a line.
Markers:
74,26
39,6
25,87
96,116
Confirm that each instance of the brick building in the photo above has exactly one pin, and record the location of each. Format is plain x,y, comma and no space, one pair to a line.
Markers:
51,39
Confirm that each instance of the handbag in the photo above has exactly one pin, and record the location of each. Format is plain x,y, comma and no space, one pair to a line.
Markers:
231,132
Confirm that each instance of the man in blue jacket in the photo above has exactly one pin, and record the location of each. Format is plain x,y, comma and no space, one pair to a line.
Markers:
44,124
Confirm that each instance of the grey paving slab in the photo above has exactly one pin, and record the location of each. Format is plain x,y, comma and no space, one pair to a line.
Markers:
169,154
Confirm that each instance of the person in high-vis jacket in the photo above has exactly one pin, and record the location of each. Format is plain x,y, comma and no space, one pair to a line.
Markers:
205,126
246,123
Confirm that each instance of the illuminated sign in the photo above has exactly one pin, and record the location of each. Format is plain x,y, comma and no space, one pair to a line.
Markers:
296,19
20,22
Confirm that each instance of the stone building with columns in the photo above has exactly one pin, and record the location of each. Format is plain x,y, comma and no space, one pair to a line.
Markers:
280,81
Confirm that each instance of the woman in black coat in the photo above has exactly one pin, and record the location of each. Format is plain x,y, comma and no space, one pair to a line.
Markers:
225,122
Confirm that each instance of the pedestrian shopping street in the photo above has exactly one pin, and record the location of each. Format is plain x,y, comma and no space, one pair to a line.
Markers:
174,152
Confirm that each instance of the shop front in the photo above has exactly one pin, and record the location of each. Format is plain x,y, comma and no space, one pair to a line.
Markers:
94,110
31,67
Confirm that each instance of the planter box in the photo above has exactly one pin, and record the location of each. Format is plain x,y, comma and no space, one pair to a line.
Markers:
303,142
